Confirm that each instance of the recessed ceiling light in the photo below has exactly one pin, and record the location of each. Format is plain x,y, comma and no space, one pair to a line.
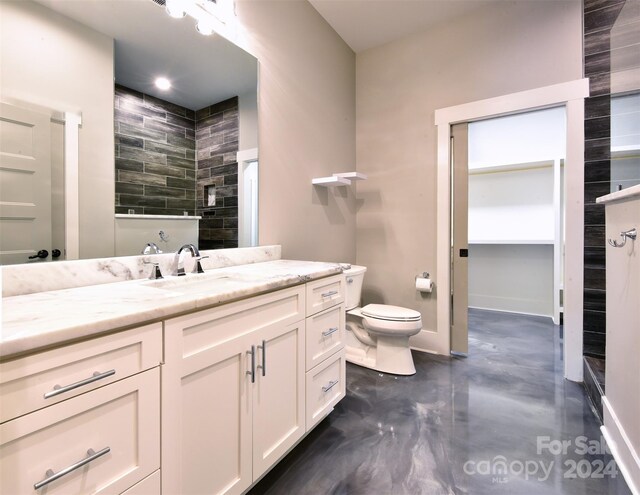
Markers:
163,83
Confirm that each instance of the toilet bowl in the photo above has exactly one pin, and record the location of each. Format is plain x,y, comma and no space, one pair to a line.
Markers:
378,334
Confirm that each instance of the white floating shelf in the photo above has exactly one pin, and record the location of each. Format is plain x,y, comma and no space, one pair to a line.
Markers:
341,179
351,175
330,181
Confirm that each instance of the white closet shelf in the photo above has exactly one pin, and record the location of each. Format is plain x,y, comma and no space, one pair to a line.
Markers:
512,167
511,241
340,179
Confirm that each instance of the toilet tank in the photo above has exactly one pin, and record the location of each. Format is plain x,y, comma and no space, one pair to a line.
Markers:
354,277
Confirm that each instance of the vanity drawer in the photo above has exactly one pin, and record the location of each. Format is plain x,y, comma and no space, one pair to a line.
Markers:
325,335
326,386
120,421
324,293
193,334
40,380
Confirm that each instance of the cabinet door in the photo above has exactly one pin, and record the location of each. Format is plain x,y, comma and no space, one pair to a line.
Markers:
278,394
206,445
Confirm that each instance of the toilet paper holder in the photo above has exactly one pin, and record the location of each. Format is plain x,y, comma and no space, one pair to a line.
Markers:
423,283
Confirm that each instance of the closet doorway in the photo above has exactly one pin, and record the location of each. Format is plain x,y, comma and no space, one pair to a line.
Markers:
507,218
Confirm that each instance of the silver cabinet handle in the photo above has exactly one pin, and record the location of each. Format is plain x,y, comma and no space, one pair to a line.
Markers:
253,364
263,366
51,476
330,293
57,390
629,234
331,384
326,333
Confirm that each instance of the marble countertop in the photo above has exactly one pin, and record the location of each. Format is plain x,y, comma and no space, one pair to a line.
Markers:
35,321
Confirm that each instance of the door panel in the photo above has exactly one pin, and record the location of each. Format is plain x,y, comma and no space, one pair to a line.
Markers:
278,395
459,234
25,184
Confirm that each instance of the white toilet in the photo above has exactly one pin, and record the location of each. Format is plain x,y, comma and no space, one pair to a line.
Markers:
378,334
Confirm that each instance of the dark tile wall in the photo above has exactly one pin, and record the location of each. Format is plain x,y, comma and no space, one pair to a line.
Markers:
599,18
217,133
155,155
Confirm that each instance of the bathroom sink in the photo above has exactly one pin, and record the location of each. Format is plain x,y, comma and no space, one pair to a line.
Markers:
193,284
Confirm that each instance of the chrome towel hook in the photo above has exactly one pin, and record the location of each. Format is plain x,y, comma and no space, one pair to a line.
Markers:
629,234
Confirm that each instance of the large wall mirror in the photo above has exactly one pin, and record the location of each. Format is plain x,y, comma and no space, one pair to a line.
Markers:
154,166
625,98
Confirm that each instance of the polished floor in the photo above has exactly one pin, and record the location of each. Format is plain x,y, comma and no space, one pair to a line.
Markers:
491,423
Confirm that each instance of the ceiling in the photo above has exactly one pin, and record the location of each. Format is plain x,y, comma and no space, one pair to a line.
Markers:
148,43
365,24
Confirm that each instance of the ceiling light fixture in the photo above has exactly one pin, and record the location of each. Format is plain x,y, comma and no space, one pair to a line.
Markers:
204,27
210,15
175,9
163,83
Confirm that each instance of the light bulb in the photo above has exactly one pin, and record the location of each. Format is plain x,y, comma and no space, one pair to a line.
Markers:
175,9
163,83
204,28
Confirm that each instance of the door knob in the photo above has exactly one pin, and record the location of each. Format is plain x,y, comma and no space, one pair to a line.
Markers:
42,254
55,253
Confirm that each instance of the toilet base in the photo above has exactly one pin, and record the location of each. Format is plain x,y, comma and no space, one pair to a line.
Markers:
390,355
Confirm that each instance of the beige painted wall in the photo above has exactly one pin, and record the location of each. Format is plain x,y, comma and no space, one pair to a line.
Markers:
39,51
306,129
510,47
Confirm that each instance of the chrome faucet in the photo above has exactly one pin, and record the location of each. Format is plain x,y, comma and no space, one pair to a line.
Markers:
151,248
179,260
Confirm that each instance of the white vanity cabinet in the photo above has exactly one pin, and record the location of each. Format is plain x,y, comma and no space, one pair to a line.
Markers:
325,355
232,392
101,432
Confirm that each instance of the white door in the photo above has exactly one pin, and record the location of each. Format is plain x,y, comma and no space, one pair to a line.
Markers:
459,239
25,184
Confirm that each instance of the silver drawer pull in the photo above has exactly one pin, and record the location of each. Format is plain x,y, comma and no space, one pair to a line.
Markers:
252,373
263,366
330,293
57,390
51,476
326,333
332,384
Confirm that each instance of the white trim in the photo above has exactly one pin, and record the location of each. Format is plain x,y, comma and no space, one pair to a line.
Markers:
558,242
627,459
570,94
72,122
547,96
244,157
574,240
157,217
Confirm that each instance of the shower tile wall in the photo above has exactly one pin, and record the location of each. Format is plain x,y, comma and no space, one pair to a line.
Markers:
155,155
602,43
217,133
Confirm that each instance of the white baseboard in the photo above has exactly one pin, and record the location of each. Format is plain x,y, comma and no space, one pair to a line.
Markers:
623,451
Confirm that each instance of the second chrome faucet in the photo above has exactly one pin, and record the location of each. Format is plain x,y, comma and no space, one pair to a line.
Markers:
179,260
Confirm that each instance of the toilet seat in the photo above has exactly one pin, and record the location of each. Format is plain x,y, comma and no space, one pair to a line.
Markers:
390,313
384,320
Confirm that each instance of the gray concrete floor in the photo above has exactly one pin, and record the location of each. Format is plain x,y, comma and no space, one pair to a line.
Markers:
491,423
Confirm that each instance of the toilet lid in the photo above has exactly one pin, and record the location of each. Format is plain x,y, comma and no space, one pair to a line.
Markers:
391,313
